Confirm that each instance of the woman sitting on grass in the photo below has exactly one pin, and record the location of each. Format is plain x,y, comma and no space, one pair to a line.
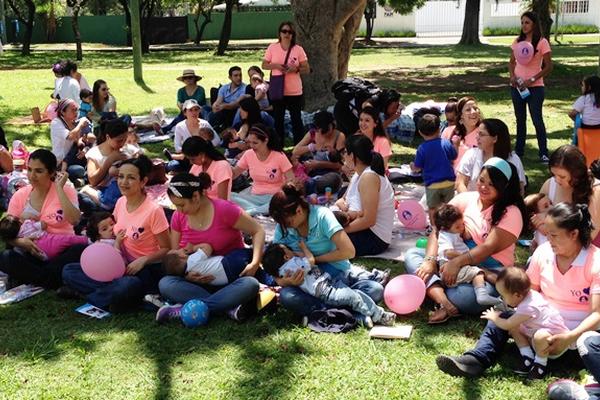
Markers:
205,158
369,125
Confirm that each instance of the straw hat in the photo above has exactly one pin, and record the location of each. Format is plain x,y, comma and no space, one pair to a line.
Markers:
189,73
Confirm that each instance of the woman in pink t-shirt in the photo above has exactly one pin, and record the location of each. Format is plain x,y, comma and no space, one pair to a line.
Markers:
527,74
268,167
48,199
201,220
370,125
493,218
205,158
296,64
466,128
146,241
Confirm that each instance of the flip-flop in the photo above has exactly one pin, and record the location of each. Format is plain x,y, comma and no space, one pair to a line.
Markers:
442,319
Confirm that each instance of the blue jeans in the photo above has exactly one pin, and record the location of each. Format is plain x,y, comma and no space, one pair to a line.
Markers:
588,346
490,343
535,102
339,294
253,204
219,299
302,303
125,291
462,295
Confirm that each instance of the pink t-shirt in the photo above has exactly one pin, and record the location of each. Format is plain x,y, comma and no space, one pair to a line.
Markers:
569,293
534,66
221,234
218,171
268,176
467,143
51,213
292,85
141,227
543,315
479,223
381,145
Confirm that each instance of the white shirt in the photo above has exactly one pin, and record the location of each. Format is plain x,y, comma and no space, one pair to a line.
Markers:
60,144
450,241
312,275
472,161
199,262
384,223
182,132
68,88
590,114
95,155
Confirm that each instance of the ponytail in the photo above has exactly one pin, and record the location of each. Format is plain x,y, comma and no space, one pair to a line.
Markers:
361,147
285,203
573,217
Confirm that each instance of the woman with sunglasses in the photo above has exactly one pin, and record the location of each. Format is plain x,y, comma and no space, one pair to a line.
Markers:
192,91
268,167
202,220
146,241
102,101
296,64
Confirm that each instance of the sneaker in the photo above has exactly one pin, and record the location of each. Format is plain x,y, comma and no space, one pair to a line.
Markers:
155,300
380,276
305,321
592,388
566,389
524,366
243,312
537,371
387,319
364,320
167,154
466,366
68,293
544,159
166,313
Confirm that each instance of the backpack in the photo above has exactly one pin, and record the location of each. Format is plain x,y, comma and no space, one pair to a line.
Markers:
356,89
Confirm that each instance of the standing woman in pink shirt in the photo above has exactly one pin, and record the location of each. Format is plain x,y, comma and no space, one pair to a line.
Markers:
527,81
288,59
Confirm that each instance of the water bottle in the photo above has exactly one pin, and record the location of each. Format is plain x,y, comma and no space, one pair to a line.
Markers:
422,242
328,194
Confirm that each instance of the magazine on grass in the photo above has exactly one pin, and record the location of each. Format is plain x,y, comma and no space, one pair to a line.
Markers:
92,311
19,293
391,332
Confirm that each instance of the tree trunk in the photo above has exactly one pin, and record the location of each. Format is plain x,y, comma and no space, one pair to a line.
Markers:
200,32
470,33
26,50
326,34
125,5
137,42
226,29
542,9
76,32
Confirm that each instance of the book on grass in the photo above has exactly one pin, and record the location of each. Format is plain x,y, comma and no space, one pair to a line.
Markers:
19,293
92,311
391,332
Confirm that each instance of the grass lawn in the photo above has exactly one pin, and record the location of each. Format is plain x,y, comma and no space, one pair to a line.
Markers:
47,351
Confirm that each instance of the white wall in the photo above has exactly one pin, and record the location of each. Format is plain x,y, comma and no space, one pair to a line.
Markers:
387,20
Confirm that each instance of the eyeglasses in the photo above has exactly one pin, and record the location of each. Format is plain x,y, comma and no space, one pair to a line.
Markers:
104,89
286,31
189,78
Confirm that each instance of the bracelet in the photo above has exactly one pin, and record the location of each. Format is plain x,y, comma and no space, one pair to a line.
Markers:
430,258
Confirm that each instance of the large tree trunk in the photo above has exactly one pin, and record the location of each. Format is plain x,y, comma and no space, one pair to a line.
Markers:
76,6
470,33
28,22
200,31
542,9
326,31
226,30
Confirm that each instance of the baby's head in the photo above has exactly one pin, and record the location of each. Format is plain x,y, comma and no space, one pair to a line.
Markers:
334,156
132,137
100,226
342,218
206,134
451,110
537,203
229,135
449,218
174,264
276,254
9,228
86,95
513,284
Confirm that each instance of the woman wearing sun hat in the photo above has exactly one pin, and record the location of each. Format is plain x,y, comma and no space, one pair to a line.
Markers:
191,90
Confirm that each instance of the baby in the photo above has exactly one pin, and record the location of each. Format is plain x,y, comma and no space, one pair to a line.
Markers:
50,244
85,106
201,262
260,89
233,144
450,226
100,228
132,148
537,205
533,322
279,260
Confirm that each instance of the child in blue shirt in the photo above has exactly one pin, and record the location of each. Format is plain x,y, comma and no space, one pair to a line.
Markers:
85,106
434,157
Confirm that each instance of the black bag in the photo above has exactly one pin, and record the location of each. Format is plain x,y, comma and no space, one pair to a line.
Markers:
214,93
356,89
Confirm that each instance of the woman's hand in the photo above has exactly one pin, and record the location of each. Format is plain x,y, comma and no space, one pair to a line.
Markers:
427,269
450,272
557,343
537,220
135,266
60,179
291,280
250,269
198,278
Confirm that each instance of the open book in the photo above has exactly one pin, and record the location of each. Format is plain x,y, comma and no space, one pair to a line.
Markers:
92,311
19,293
391,332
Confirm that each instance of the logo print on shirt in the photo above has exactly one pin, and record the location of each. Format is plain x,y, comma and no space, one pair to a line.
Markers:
272,173
137,233
584,298
57,216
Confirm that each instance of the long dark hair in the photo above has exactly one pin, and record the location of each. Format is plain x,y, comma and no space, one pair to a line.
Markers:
592,86
378,131
509,193
361,148
536,34
3,138
47,158
264,132
498,129
251,106
460,128
290,24
195,145
570,216
142,163
111,128
285,203
96,93
570,158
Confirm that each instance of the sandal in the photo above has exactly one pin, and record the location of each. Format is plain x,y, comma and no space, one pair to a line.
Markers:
441,315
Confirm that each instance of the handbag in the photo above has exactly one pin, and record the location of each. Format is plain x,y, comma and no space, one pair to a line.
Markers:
276,83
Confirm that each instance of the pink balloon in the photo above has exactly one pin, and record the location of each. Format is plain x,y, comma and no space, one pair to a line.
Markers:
102,262
524,52
404,294
411,215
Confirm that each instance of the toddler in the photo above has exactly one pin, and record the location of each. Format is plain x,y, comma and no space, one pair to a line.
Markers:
537,204
201,262
50,244
279,260
132,148
434,157
232,142
260,91
533,322
100,228
450,226
85,106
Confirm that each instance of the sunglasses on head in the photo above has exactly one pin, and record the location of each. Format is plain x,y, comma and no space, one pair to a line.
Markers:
287,31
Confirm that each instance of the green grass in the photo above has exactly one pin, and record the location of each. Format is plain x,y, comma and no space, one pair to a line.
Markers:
47,351
565,40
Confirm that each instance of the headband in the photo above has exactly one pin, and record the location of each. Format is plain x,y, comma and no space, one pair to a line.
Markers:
63,104
173,187
500,164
